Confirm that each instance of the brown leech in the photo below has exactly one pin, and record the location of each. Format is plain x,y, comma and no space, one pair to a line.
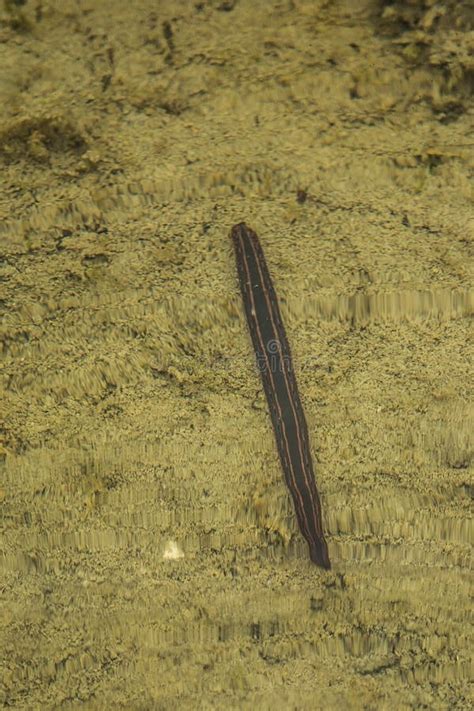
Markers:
274,360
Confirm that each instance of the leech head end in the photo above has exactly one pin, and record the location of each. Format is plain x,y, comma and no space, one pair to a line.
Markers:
238,230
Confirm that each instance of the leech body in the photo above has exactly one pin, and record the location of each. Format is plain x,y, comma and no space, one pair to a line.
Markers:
274,360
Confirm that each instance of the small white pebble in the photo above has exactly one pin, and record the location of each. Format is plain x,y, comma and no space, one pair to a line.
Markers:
172,551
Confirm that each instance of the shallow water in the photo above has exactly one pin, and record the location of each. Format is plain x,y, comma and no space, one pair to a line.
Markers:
150,555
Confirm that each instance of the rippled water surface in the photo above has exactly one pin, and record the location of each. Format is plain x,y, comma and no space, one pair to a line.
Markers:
150,557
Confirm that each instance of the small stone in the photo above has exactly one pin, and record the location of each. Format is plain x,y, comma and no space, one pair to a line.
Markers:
172,551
